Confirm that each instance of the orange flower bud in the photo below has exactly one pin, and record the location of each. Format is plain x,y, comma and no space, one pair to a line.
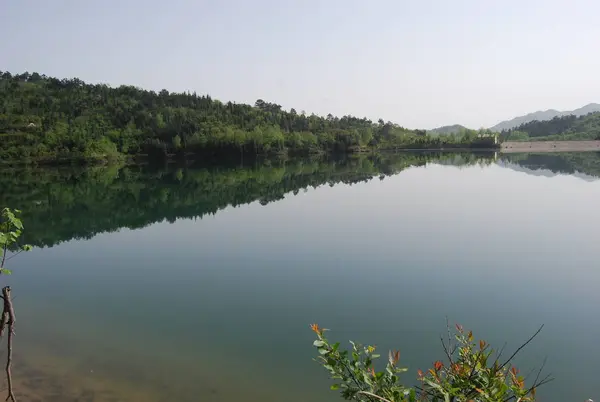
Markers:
394,356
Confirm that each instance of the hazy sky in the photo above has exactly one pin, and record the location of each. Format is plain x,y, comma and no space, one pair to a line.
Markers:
420,63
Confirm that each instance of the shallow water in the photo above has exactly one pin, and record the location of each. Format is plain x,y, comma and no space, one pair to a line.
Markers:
201,300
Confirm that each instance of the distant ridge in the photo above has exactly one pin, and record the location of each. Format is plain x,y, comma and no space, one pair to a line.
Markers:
444,130
544,115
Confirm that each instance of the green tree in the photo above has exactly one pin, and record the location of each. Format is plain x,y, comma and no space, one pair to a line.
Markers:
11,229
47,119
177,142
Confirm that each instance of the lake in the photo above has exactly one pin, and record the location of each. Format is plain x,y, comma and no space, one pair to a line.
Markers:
198,283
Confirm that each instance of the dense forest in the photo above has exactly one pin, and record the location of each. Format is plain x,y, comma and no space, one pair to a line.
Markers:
61,204
569,127
49,119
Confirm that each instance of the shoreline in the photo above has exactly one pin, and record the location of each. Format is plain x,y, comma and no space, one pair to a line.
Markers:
142,159
505,147
550,146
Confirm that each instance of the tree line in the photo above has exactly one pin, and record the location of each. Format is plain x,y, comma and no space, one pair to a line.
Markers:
46,118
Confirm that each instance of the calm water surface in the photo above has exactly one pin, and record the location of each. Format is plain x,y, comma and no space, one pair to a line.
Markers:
199,284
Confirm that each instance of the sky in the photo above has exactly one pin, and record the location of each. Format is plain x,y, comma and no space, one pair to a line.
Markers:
418,63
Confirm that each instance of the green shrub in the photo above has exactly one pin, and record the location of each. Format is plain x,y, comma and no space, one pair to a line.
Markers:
472,372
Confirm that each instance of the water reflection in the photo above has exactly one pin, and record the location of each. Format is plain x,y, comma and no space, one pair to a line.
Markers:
78,203
218,310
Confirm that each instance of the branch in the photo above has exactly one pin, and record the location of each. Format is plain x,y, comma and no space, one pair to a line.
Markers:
14,255
426,392
3,321
352,375
8,318
4,254
546,380
450,351
522,346
537,377
446,350
501,351
374,396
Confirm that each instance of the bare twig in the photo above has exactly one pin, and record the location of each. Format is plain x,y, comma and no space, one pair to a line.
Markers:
13,256
449,350
501,351
3,321
522,346
546,380
537,377
448,355
526,378
374,396
4,254
8,319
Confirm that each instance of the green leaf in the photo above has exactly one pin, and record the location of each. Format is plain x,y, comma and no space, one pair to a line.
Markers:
335,387
375,356
433,384
5,271
319,343
26,247
323,351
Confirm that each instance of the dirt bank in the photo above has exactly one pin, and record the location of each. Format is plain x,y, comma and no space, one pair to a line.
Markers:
551,146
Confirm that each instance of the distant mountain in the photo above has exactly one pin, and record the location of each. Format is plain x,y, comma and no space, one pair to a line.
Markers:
447,129
569,127
544,115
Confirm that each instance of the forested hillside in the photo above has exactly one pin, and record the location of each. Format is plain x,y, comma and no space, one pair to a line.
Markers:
50,119
453,129
559,128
